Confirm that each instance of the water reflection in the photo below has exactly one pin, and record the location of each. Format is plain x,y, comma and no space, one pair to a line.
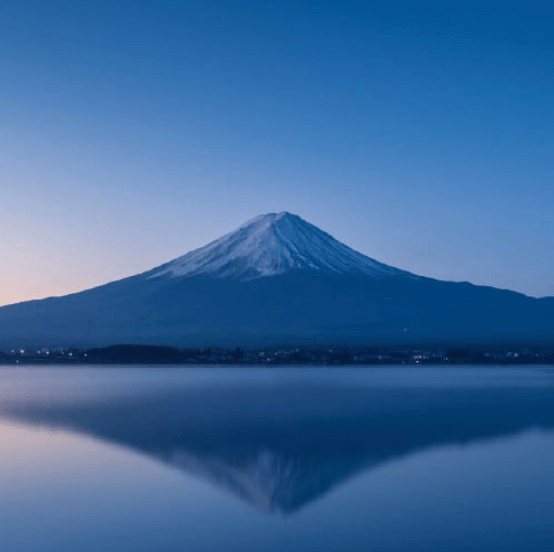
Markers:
280,444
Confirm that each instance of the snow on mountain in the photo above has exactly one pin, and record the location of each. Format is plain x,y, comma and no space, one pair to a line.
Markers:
272,244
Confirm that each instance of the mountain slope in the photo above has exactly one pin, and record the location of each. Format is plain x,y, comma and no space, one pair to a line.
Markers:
272,244
277,279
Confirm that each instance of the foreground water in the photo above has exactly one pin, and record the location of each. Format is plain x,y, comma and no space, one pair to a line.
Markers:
385,459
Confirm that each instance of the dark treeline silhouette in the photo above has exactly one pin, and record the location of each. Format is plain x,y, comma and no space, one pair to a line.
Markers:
135,354
306,355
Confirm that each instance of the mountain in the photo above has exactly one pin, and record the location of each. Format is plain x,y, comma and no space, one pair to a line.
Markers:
277,279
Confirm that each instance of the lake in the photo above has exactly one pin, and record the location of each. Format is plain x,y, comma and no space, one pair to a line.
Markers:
281,459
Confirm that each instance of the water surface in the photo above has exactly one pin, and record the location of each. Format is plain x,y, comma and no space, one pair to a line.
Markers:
165,459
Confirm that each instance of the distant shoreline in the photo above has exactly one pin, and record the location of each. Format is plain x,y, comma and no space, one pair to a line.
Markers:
129,354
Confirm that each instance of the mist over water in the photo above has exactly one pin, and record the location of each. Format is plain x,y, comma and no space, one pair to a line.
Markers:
394,458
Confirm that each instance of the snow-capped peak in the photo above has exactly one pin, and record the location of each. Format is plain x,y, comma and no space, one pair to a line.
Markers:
273,244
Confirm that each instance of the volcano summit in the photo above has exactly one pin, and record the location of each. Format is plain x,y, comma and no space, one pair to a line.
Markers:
277,279
275,244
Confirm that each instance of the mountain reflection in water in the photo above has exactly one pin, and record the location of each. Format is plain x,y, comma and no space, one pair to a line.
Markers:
281,444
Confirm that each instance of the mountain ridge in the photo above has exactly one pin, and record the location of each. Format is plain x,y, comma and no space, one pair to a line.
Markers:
271,244
277,279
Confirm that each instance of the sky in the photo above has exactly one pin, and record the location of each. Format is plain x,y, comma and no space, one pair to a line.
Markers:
419,133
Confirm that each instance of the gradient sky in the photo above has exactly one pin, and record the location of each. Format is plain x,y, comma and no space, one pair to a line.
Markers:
419,133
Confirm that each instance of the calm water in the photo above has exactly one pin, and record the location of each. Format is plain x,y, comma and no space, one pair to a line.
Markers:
381,459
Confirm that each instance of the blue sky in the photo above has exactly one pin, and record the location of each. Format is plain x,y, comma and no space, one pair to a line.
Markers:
421,134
